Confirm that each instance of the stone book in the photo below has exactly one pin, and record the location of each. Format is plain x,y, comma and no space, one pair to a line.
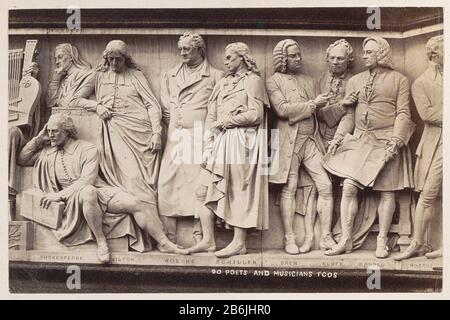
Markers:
31,209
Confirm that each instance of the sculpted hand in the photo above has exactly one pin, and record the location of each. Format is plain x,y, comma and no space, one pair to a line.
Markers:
31,70
334,144
313,107
205,157
58,74
155,143
351,99
389,155
391,148
238,110
43,135
322,99
227,123
48,199
103,112
216,125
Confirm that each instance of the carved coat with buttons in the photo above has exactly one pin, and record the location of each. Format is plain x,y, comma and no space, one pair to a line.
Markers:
427,94
184,101
290,98
383,112
331,114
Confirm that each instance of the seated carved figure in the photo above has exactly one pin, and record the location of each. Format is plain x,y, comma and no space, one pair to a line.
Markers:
70,72
66,169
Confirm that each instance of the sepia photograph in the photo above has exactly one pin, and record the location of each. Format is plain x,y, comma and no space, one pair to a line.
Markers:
225,149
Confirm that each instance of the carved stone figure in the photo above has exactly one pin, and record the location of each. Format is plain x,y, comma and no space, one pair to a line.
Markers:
68,180
131,130
295,99
369,148
130,135
332,82
185,91
234,184
427,93
66,169
69,74
71,70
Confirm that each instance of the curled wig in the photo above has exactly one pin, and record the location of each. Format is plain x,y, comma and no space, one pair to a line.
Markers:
243,51
433,44
384,54
348,47
280,54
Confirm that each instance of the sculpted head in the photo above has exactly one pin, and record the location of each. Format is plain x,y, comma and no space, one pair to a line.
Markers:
116,57
60,128
192,48
340,57
237,57
67,56
287,57
377,52
435,49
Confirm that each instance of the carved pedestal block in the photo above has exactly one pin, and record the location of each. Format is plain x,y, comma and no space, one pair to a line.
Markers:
20,235
45,240
31,209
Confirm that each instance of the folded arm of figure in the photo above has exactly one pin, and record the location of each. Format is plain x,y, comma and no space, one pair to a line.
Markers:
81,97
253,113
427,112
30,152
53,90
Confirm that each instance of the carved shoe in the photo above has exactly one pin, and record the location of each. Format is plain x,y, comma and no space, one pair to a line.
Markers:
434,254
306,246
231,250
103,253
290,246
414,249
382,250
345,245
327,242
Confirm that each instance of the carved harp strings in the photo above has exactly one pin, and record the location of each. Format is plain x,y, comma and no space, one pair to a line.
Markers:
15,61
18,60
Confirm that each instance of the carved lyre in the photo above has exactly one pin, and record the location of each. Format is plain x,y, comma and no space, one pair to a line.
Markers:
24,92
